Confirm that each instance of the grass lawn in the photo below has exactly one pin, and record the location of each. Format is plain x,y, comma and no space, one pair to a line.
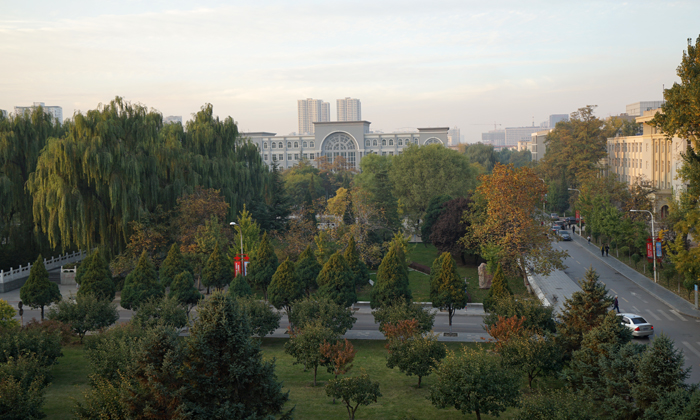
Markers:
70,379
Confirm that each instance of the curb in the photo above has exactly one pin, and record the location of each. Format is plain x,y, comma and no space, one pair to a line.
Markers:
640,284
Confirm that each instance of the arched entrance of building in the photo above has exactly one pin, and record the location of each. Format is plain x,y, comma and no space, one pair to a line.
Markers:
340,144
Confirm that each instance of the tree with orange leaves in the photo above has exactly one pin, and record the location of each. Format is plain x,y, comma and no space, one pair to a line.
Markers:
505,216
338,356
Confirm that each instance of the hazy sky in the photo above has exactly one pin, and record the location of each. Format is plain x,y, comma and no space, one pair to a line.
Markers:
411,63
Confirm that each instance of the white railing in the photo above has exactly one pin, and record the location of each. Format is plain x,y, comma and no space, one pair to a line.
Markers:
55,262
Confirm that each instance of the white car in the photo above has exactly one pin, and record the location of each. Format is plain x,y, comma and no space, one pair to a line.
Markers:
637,324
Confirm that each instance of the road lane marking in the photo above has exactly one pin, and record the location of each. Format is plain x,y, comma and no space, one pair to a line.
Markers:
654,315
678,315
664,314
635,309
691,348
626,300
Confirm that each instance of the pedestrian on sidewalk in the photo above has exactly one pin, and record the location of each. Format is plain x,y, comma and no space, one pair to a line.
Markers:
602,250
607,250
573,229
589,239
616,305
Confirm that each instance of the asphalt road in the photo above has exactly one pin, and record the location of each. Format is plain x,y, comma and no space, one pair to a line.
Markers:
683,330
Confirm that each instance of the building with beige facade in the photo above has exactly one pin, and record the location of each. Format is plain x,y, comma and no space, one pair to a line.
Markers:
650,159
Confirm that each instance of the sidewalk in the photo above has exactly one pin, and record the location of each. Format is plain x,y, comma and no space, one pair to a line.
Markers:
554,289
661,293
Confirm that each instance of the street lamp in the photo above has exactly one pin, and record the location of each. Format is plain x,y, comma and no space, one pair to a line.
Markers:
579,219
653,240
234,224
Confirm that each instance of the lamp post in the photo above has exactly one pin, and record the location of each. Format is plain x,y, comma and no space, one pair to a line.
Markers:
653,239
579,219
234,224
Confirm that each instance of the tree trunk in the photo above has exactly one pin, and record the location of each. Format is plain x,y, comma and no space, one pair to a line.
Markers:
450,313
42,312
478,414
419,379
315,370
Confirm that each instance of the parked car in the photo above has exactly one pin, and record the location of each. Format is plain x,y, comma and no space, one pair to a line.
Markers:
637,324
554,216
555,228
571,220
559,223
564,234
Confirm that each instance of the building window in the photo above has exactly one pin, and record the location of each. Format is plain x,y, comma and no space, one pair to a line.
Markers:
296,156
415,141
296,144
274,157
400,142
274,145
383,153
391,153
311,144
289,145
305,155
383,142
289,157
304,144
367,144
391,142
265,157
280,145
374,142
264,145
311,156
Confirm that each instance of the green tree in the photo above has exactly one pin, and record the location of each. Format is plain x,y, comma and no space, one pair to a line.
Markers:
447,290
277,201
584,310
354,392
358,267
474,381
239,287
336,281
42,344
499,289
263,320
558,404
375,179
111,353
217,272
22,393
141,284
308,269
263,265
336,317
538,318
450,227
96,278
392,278
419,355
249,229
7,315
85,313
432,214
285,287
400,310
173,265
304,345
38,291
183,291
156,311
533,354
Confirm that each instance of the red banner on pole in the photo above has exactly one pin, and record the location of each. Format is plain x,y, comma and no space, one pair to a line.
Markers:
240,264
578,215
650,249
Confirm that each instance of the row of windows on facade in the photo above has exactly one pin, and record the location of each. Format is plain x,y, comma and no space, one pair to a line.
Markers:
637,163
310,156
368,143
630,178
637,147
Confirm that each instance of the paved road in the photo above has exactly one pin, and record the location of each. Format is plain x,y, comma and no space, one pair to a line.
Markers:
684,330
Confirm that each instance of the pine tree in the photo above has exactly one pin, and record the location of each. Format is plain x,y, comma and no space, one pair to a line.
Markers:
358,267
584,310
263,265
141,284
308,269
285,287
96,278
336,281
217,272
499,289
38,291
239,287
447,289
173,265
182,288
392,279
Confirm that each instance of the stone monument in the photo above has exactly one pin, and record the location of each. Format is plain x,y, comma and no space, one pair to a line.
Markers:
484,277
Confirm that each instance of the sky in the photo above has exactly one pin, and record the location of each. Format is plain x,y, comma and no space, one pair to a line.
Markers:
438,63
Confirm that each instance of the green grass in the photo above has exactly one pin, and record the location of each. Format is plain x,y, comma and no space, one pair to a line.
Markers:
70,379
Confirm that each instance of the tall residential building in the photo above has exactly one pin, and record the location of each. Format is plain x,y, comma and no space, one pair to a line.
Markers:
172,119
311,111
555,118
537,144
55,111
637,109
349,109
3,113
453,136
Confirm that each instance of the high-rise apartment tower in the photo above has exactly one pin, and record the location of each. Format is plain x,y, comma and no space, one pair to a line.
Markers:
349,109
311,111
55,111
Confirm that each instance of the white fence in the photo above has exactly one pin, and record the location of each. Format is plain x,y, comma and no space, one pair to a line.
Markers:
55,262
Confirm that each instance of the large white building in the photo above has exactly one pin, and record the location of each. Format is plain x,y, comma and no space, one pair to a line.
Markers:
55,111
350,140
637,109
311,111
349,109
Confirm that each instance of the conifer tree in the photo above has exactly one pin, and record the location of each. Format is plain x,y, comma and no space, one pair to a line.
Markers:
38,291
217,272
239,287
392,278
183,290
336,281
141,284
285,287
308,268
358,267
96,278
173,265
336,317
584,310
499,289
447,289
263,265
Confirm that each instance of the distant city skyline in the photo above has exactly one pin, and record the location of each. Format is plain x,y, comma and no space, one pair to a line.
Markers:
444,63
